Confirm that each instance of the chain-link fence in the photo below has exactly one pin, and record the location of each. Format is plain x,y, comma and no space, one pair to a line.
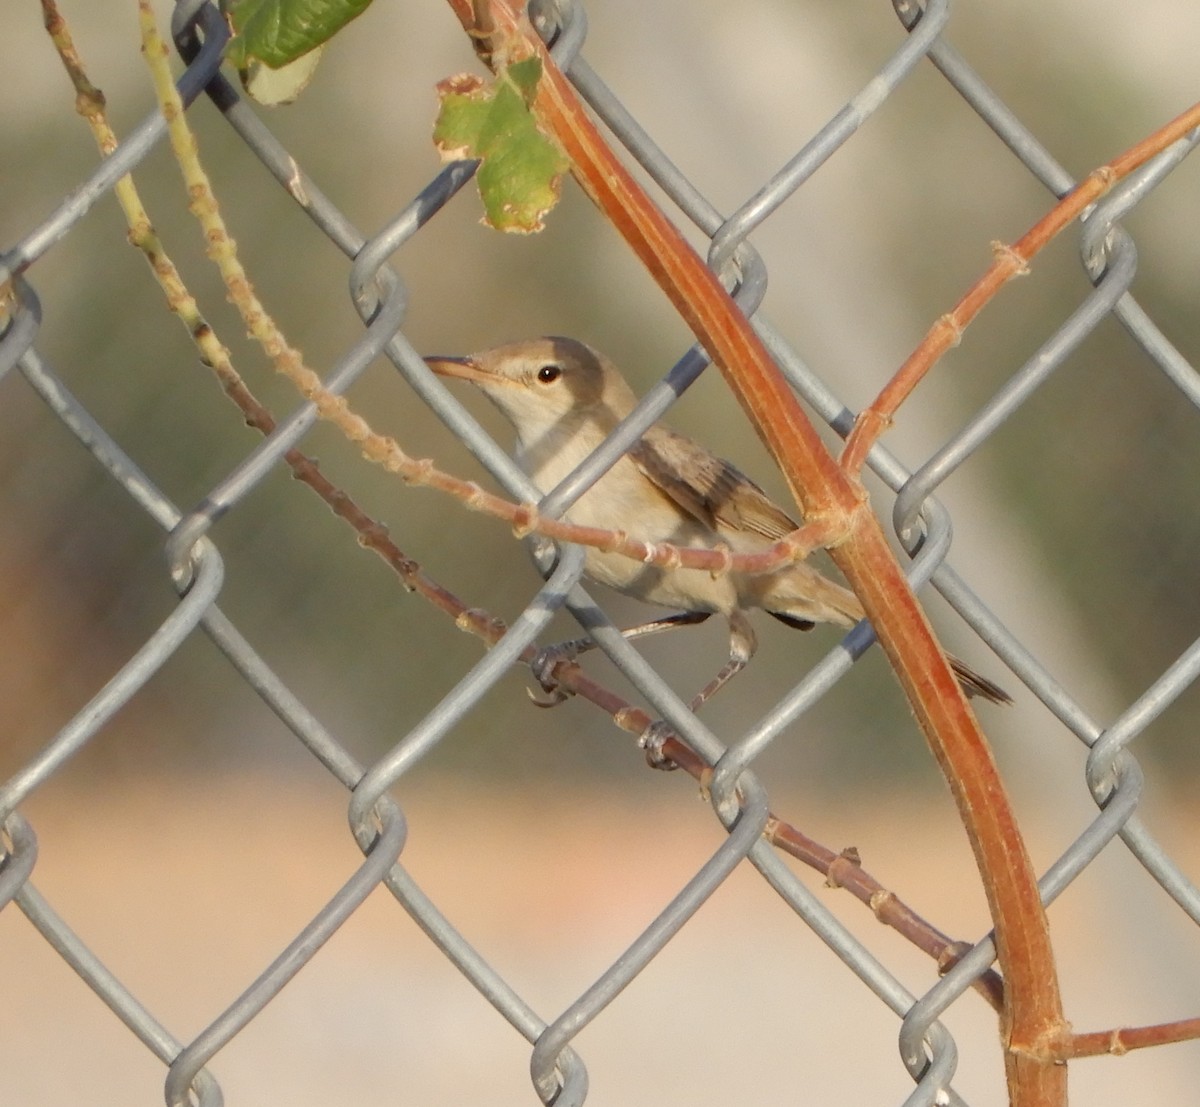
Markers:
1055,733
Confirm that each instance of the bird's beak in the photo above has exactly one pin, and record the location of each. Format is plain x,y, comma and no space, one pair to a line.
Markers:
462,368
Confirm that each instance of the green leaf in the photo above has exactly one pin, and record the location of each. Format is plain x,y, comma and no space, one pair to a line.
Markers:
521,175
277,32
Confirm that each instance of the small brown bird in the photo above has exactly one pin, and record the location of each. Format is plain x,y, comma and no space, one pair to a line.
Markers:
564,399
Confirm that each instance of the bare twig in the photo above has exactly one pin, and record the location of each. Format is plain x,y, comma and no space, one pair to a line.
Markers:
1113,1043
1010,261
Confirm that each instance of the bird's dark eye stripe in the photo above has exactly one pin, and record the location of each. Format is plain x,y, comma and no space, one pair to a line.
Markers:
549,373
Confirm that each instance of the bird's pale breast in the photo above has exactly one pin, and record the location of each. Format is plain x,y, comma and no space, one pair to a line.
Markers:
624,499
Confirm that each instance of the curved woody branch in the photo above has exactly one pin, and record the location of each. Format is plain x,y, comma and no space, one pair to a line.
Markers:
1033,1029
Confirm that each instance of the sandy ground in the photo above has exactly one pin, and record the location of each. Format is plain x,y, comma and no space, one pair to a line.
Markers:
187,889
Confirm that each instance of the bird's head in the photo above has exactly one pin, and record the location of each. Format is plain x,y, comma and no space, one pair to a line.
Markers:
545,384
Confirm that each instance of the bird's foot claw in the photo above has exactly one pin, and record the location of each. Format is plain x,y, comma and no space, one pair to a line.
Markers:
548,697
652,741
545,666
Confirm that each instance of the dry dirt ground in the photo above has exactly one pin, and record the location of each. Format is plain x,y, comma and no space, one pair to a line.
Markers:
187,888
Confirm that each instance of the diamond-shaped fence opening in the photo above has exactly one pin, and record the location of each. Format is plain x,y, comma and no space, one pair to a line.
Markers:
206,657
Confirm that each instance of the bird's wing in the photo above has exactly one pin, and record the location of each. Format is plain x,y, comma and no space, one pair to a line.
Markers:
707,487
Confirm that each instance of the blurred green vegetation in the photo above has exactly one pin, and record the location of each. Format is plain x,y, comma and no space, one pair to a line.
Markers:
1093,479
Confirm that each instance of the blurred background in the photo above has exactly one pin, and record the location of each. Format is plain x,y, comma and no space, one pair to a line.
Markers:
193,837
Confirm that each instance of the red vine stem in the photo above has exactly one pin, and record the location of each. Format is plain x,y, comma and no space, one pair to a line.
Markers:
1033,1030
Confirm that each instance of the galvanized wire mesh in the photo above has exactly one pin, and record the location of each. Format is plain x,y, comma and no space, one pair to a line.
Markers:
197,569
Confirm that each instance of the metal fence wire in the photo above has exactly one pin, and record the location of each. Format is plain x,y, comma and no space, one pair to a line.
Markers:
558,1059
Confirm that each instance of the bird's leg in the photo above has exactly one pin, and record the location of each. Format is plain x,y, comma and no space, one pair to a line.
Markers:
742,644
546,661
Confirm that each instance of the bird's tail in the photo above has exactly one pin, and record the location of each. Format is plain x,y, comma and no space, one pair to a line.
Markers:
975,684
803,598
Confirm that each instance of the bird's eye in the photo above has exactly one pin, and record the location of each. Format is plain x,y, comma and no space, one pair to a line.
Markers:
548,374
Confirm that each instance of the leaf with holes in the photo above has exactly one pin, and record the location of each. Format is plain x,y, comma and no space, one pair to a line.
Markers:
520,177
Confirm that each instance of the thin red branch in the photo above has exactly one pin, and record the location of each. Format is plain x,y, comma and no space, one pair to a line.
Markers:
1010,261
1116,1042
